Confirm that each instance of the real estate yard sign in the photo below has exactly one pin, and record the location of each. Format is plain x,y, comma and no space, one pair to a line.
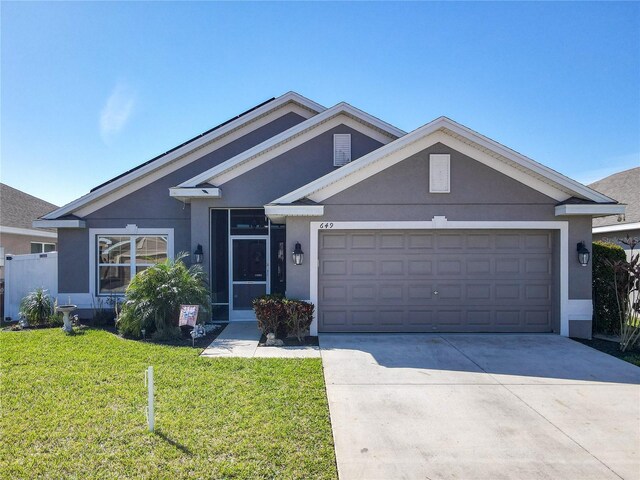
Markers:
188,315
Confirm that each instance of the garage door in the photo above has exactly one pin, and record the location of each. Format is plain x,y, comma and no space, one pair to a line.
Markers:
427,281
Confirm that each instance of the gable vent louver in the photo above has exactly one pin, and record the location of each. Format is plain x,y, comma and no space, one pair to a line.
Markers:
341,149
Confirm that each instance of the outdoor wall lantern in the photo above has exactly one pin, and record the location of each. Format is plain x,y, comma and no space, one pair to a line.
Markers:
583,254
298,254
198,254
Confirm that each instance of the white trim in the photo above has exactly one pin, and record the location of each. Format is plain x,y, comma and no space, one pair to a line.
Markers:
188,153
185,194
590,209
480,148
443,223
355,172
621,227
341,113
580,310
294,210
130,229
27,231
59,223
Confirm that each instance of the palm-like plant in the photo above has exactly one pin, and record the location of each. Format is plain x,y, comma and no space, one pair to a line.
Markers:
153,298
37,307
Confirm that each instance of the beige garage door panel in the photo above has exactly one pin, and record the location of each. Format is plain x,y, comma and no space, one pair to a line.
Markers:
428,281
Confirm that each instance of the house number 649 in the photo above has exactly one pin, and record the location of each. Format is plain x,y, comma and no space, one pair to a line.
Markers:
326,225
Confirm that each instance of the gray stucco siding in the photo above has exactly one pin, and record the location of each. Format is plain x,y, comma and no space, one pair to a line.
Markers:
275,178
151,207
291,170
580,284
478,193
73,251
472,183
153,200
73,257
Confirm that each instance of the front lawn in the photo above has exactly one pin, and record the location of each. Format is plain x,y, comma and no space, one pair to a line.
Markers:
73,407
613,348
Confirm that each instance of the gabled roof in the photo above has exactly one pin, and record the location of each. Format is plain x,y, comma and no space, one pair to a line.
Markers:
625,187
277,144
18,209
459,137
155,165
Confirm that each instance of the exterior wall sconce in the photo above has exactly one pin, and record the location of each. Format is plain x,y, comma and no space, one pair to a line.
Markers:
583,254
298,254
198,255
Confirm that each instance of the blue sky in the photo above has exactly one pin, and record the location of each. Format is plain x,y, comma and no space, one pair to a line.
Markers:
90,90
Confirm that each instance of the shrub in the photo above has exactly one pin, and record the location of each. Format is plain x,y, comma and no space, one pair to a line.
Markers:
167,335
56,319
153,298
102,315
281,316
605,304
270,312
37,307
299,316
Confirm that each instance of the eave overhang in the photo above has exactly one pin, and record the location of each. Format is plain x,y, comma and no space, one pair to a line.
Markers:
277,213
186,194
593,209
72,223
620,227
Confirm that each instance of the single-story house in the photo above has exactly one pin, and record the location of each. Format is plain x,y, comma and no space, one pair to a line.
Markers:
625,187
437,230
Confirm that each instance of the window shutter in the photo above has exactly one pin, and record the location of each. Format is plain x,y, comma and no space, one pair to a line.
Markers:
439,173
341,149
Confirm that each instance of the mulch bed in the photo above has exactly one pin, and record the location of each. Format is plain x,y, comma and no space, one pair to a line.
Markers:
613,348
292,341
185,341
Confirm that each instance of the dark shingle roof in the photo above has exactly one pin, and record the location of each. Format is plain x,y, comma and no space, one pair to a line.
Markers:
577,201
624,187
19,209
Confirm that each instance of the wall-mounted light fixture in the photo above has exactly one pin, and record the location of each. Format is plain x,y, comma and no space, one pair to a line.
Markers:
198,255
298,254
583,254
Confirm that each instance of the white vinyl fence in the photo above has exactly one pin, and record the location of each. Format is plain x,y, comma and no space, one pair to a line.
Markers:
25,273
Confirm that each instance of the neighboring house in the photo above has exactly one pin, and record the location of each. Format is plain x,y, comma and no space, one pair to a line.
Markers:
440,229
18,210
625,187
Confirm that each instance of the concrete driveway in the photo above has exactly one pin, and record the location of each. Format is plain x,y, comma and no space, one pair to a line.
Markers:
480,407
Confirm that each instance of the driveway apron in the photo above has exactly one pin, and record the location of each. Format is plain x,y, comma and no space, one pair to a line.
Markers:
480,407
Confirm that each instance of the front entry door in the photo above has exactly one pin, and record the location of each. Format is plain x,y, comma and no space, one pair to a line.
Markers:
249,275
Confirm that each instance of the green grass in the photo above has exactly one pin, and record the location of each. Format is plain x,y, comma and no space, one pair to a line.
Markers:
613,348
73,407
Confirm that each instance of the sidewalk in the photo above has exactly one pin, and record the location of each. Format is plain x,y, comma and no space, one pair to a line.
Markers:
240,339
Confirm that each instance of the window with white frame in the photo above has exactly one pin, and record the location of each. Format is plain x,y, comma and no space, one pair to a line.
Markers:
120,257
42,247
341,149
439,173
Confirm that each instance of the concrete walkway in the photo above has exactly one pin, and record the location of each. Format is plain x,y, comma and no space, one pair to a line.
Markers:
480,407
240,339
